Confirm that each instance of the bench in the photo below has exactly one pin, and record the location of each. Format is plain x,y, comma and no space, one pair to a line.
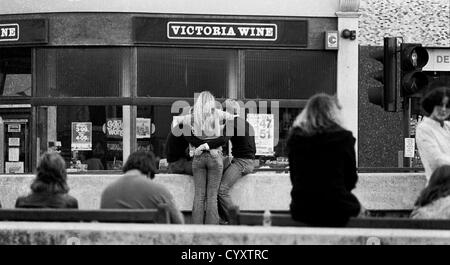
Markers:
285,219
74,215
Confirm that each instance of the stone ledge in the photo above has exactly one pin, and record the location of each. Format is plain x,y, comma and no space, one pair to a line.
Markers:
258,191
30,233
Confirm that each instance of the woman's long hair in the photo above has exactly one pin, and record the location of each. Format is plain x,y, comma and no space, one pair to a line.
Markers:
204,108
51,174
438,187
321,114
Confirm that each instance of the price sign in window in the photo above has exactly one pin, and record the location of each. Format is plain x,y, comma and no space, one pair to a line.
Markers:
114,128
81,136
263,125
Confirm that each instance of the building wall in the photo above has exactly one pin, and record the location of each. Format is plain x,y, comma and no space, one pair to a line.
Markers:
322,8
417,21
257,191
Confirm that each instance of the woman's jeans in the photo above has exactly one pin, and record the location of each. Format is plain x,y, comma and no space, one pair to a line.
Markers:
207,169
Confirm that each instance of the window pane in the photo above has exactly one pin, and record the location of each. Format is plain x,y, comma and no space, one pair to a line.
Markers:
160,119
175,72
283,119
289,74
15,72
78,72
92,135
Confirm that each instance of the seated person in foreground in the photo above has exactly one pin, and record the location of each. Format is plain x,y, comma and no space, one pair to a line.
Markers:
434,200
322,165
49,188
136,190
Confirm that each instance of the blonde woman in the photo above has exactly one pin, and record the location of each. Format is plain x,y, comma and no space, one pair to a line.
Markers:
322,165
206,122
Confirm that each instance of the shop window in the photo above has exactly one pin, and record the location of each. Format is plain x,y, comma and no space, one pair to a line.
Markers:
79,72
15,72
270,153
272,128
88,137
177,72
152,128
289,74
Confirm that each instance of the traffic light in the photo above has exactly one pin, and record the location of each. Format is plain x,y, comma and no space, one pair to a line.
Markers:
385,94
413,58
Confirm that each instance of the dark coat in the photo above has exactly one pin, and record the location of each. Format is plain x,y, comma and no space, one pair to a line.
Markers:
47,200
323,173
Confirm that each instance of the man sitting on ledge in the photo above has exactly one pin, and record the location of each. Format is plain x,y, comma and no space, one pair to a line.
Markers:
136,190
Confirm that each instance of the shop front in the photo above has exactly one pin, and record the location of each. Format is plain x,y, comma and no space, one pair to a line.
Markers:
96,86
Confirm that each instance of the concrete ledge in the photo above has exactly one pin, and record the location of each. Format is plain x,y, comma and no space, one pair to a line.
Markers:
259,191
28,233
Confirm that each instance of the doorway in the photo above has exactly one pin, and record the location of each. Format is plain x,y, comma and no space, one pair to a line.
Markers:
16,155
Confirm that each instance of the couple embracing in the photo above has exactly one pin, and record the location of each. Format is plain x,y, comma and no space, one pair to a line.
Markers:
206,129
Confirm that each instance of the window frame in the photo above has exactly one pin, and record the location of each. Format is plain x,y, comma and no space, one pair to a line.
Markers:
128,98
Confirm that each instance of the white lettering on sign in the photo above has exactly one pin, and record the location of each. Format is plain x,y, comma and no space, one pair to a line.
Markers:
443,59
9,32
222,31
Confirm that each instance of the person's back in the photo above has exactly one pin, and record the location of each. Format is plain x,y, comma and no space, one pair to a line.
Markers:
322,165
134,190
47,200
438,209
49,189
323,177
243,139
434,201
176,145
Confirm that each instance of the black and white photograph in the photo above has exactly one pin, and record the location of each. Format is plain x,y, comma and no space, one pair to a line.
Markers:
221,129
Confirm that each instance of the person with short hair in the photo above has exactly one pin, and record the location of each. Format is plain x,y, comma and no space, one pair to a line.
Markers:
243,150
433,132
137,190
49,189
434,200
322,165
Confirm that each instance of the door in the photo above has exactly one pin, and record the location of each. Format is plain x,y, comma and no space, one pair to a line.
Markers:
16,150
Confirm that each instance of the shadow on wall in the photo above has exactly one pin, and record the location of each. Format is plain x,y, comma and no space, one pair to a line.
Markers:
379,132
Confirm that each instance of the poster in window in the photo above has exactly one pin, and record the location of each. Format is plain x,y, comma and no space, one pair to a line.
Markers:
13,154
81,136
114,146
143,127
114,128
14,167
263,125
144,146
14,141
14,128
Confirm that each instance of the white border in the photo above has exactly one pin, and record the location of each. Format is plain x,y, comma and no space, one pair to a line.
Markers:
219,23
18,30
